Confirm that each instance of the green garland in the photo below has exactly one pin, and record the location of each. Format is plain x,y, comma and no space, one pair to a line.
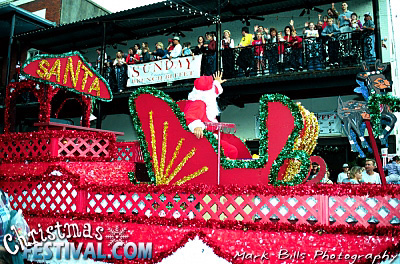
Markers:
64,55
286,153
374,103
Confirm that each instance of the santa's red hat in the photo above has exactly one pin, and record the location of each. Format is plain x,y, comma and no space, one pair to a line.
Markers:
205,83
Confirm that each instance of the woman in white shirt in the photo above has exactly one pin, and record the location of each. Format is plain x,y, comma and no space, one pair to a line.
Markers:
228,59
120,71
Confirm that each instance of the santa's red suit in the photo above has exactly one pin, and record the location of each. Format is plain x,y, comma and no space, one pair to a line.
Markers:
202,107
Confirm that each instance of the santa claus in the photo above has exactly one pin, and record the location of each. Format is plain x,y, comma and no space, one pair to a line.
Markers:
202,107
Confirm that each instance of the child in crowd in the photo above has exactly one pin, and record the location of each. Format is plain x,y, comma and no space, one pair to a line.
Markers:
355,22
258,45
330,32
170,46
313,48
262,30
186,49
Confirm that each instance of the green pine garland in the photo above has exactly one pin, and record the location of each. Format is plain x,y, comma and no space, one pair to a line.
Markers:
374,103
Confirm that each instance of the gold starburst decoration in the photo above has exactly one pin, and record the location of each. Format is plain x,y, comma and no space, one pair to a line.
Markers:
163,175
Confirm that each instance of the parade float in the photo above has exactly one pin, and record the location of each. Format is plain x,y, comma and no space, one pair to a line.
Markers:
169,187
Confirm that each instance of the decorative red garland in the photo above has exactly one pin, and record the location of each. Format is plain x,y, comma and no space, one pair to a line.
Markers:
266,190
195,225
45,176
227,224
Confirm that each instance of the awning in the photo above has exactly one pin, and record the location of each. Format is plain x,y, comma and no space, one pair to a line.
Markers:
155,19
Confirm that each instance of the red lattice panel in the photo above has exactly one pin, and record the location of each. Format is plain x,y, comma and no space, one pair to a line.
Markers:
129,151
365,210
83,147
168,205
60,196
260,208
208,206
24,149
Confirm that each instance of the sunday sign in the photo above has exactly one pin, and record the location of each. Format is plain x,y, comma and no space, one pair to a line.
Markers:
69,71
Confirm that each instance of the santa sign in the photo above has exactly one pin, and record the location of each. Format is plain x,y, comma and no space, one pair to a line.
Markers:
69,71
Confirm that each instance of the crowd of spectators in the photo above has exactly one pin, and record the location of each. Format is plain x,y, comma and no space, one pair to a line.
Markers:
334,40
359,175
321,44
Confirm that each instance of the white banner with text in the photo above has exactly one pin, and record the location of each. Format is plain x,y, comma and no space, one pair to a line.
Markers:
164,71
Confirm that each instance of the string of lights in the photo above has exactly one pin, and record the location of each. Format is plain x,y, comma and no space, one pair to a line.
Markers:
194,11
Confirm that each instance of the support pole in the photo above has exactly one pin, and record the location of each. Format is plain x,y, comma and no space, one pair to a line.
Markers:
10,42
375,149
377,31
218,30
103,52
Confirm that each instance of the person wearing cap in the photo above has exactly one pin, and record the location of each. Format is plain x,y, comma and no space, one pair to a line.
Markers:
343,175
345,19
369,39
177,51
393,170
202,107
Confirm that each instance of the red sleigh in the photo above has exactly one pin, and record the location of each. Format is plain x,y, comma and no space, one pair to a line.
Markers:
173,155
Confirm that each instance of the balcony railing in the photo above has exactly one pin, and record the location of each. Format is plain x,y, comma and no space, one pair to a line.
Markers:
339,51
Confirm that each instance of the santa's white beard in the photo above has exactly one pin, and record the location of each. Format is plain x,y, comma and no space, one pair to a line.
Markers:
209,97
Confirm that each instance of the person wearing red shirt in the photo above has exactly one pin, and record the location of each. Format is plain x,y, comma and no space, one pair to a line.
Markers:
297,52
258,45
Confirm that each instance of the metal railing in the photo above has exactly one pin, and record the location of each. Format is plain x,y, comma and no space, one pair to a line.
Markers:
339,51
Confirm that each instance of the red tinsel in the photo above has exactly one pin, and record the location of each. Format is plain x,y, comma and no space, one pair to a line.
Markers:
267,190
228,237
372,230
99,173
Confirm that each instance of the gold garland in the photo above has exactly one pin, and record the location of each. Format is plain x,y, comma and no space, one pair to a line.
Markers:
165,178
306,141
154,147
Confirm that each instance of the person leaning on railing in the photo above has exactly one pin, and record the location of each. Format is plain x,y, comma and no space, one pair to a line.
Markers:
297,52
245,58
333,44
345,19
369,39
228,59
258,45
271,51
159,53
313,48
